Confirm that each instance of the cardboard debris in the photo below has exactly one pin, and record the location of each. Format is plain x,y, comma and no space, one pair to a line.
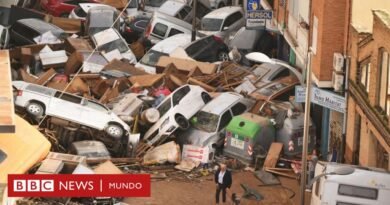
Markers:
47,37
77,85
273,155
117,68
107,168
53,59
50,166
118,4
44,78
126,105
168,152
69,25
146,80
185,65
196,153
77,44
187,165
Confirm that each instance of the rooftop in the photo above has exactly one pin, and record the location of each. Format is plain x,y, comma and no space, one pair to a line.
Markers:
383,15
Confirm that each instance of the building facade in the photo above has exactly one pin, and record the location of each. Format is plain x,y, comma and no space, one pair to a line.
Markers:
368,122
310,32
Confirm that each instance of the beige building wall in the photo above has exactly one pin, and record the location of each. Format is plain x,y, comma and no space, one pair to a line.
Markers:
362,17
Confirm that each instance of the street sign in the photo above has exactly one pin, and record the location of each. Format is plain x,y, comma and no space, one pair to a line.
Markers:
321,97
300,94
256,17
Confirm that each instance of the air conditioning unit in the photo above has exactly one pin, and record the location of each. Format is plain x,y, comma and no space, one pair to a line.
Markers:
338,62
338,81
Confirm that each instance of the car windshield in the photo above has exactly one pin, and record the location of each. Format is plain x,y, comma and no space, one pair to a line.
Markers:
117,44
154,3
211,24
152,57
205,121
164,107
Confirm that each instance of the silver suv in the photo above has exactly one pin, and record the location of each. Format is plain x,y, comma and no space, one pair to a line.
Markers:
39,100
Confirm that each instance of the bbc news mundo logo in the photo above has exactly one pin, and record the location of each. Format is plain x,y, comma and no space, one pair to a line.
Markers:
83,185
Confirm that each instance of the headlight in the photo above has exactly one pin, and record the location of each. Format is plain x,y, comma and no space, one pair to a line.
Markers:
166,121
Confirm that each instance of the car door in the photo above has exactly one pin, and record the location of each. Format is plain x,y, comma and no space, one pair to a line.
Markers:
236,22
94,114
66,106
224,121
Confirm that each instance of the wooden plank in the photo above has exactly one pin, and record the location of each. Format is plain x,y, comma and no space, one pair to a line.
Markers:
273,155
7,118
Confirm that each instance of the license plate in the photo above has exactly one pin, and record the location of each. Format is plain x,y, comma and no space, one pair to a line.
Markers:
237,143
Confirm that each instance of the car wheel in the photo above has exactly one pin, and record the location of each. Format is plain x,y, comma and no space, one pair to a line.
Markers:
206,98
35,109
115,131
223,56
182,122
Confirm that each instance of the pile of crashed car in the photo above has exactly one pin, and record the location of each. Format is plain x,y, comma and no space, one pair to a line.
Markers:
108,79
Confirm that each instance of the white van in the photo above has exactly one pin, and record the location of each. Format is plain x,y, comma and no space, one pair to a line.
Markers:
365,186
162,26
162,48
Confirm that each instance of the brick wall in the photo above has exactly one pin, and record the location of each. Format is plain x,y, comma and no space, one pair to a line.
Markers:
359,49
332,17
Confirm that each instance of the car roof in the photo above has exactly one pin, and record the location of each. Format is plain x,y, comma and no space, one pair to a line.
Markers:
223,12
171,7
172,20
168,45
106,36
87,6
102,8
221,103
40,25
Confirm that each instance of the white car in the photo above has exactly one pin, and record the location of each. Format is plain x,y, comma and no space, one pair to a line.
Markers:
109,40
163,48
208,125
39,100
223,22
81,11
175,110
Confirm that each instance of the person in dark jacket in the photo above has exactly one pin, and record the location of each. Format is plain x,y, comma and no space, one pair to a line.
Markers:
223,180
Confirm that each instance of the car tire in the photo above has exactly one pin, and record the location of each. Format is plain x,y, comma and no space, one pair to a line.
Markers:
206,98
223,56
114,130
35,109
182,122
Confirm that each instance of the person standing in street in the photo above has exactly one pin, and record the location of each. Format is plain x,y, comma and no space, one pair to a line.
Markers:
223,180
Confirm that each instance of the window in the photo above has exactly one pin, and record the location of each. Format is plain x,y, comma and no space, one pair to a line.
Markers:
96,106
384,85
184,12
160,29
232,19
67,97
364,75
179,95
174,32
344,203
164,107
3,156
355,191
382,157
238,108
225,119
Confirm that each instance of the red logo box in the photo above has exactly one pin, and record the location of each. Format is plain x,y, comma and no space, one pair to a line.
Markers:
81,185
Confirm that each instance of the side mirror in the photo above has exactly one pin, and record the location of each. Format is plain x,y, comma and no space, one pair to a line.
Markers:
225,28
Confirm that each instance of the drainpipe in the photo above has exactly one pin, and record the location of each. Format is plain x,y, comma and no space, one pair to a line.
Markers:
346,92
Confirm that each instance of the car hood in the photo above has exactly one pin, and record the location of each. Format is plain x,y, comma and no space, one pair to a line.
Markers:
207,33
196,137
